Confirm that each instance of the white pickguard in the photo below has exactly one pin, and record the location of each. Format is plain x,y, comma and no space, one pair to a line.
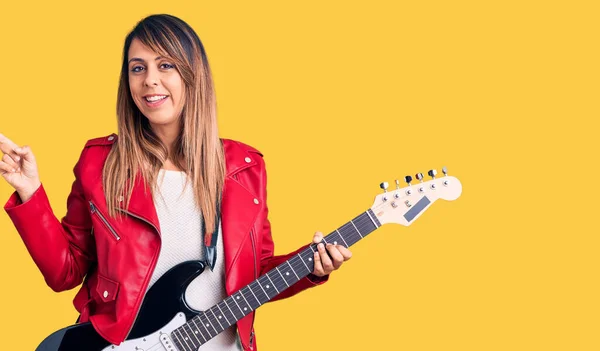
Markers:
157,341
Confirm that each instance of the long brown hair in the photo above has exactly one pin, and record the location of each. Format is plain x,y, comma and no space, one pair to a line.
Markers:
197,150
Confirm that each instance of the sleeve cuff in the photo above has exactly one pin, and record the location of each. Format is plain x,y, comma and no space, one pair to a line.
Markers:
15,203
316,279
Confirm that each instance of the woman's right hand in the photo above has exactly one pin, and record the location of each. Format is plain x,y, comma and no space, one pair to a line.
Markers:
19,168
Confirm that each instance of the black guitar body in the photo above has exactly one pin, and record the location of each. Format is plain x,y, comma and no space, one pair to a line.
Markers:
163,301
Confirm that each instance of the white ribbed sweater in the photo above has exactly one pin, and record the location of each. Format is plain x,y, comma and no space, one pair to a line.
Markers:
181,237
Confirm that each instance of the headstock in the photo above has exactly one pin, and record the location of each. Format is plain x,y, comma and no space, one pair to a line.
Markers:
405,205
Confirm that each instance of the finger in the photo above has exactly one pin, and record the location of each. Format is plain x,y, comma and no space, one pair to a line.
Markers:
10,161
345,252
6,168
25,153
7,146
336,256
318,237
325,260
318,270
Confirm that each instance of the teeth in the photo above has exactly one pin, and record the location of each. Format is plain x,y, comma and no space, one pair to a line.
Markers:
156,98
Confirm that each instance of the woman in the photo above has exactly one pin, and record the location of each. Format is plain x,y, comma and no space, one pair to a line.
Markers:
164,191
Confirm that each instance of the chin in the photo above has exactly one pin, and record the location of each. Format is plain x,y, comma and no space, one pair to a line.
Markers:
160,120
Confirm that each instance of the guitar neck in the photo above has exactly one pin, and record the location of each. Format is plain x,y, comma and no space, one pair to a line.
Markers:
211,322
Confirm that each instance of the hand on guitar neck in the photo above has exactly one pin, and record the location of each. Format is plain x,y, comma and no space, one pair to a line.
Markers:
329,257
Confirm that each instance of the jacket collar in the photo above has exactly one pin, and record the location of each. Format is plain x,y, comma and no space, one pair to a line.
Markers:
237,157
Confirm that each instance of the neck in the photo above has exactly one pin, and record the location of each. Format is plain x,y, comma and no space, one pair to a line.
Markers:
167,134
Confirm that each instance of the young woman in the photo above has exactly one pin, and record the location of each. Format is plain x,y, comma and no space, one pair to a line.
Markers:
165,190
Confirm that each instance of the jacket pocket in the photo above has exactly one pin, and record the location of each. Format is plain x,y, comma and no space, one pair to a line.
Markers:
107,288
95,211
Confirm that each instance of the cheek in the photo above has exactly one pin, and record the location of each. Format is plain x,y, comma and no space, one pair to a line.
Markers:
177,91
133,84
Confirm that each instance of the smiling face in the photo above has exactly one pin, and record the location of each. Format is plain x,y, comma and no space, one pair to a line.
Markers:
155,84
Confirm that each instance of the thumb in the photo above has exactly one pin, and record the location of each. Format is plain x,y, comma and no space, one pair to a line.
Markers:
317,237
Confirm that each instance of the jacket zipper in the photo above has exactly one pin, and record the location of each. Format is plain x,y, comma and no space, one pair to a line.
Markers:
96,211
255,277
153,264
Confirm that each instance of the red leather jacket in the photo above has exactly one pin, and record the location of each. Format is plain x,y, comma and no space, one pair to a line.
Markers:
65,251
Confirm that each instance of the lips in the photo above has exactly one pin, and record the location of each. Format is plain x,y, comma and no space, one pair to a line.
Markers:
156,103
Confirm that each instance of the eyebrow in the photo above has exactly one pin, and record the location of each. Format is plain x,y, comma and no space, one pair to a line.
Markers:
141,60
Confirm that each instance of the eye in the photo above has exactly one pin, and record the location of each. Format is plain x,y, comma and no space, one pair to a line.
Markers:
135,69
168,66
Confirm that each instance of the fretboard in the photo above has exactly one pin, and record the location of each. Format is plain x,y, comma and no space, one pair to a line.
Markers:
219,317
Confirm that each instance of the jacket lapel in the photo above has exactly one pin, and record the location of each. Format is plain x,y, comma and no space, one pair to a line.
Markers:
238,210
142,204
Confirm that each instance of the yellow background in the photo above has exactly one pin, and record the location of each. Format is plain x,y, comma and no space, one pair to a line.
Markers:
340,96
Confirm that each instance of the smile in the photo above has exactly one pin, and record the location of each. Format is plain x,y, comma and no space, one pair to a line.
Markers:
155,101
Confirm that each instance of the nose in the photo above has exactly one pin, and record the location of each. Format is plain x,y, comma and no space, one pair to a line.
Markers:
151,78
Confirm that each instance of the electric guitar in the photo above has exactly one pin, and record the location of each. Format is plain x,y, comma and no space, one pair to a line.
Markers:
166,323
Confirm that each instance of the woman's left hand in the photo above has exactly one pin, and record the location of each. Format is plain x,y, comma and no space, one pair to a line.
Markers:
323,263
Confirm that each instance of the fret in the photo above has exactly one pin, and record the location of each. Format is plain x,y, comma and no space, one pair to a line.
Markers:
238,305
195,336
248,308
194,345
217,319
305,265
258,301
178,341
224,315
252,307
277,268
267,297
342,237
185,339
372,220
290,279
274,286
207,324
278,279
349,233
301,269
356,229
235,318
292,268
333,238
204,339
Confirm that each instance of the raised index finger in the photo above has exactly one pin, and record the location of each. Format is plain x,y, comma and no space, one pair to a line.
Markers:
7,146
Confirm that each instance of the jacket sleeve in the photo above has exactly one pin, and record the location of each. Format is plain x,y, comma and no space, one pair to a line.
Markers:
62,250
268,260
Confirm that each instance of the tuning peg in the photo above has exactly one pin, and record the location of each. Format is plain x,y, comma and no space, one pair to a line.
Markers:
445,170
419,176
384,186
397,184
432,173
408,179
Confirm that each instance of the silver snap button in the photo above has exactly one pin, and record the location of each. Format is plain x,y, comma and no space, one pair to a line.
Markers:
256,201
105,294
111,137
248,160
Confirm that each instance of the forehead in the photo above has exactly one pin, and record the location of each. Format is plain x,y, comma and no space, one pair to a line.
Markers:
139,50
